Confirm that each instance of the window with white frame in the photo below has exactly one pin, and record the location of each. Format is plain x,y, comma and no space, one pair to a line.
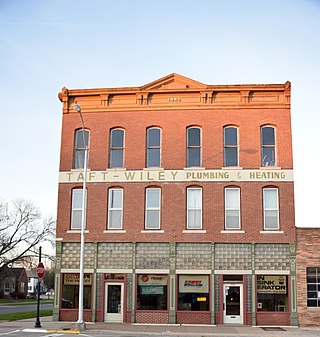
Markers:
193,147
230,138
268,146
313,287
153,154
76,214
116,156
115,208
271,208
232,208
194,205
153,204
80,144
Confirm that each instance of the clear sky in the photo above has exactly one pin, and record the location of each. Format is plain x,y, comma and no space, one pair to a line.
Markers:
45,45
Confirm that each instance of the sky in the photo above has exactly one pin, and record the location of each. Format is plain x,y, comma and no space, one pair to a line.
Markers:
46,45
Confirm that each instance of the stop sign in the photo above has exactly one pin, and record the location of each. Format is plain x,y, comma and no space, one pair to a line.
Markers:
40,271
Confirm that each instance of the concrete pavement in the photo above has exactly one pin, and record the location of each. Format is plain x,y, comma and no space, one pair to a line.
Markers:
126,329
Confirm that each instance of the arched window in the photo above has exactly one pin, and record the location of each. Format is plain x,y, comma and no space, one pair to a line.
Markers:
230,139
193,147
153,154
116,154
80,143
153,206
268,146
232,208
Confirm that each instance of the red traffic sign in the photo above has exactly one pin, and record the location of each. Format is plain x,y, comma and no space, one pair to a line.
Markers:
40,271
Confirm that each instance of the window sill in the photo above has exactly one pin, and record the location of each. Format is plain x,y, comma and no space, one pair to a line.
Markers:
112,231
194,231
153,168
194,168
270,168
232,168
116,169
79,169
77,231
271,232
232,231
150,231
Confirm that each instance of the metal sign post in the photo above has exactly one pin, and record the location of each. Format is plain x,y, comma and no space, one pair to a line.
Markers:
40,272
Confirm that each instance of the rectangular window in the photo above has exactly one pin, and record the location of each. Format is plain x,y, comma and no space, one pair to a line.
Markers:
116,148
76,215
272,293
230,146
193,293
193,147
194,205
152,292
313,287
271,208
70,291
232,208
115,208
153,147
153,202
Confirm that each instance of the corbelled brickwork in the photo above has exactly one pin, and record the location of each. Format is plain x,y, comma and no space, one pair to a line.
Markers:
152,256
71,255
115,255
232,256
272,257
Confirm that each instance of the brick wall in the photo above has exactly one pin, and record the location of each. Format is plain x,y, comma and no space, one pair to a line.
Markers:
308,248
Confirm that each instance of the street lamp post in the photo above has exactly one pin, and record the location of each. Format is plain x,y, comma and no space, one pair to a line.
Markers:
80,324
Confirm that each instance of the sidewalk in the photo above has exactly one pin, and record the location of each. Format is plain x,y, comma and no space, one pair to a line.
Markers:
114,329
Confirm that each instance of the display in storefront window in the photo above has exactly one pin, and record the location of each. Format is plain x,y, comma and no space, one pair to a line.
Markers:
272,293
152,292
193,293
70,291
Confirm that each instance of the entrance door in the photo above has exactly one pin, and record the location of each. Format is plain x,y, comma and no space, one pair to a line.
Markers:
113,302
232,303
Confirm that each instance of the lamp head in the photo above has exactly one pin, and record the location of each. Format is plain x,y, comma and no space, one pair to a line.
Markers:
76,107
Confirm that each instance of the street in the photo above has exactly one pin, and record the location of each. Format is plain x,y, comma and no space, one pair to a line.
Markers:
10,309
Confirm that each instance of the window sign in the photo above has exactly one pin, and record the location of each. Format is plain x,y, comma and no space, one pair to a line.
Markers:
193,284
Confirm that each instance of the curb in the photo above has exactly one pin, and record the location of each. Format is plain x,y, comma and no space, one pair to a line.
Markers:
65,331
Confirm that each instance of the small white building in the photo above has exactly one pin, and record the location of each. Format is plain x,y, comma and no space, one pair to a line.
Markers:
32,281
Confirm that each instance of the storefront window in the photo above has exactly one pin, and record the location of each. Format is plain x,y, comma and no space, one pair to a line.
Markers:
152,292
193,293
70,291
272,293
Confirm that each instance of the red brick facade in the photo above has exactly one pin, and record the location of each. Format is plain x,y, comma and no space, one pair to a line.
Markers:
173,104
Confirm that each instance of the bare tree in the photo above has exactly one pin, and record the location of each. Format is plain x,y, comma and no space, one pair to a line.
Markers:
22,231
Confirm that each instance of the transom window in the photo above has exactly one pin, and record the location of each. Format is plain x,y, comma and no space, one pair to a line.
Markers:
271,208
153,147
232,208
230,146
194,205
313,287
193,147
153,202
80,143
116,148
268,147
115,208
76,214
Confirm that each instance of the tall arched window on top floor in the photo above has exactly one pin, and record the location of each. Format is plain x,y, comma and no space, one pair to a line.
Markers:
194,147
153,155
81,140
116,153
230,140
268,146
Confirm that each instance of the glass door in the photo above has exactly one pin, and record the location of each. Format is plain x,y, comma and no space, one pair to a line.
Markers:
113,302
232,303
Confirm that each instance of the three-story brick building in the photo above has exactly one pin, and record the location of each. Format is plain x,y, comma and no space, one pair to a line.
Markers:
190,204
